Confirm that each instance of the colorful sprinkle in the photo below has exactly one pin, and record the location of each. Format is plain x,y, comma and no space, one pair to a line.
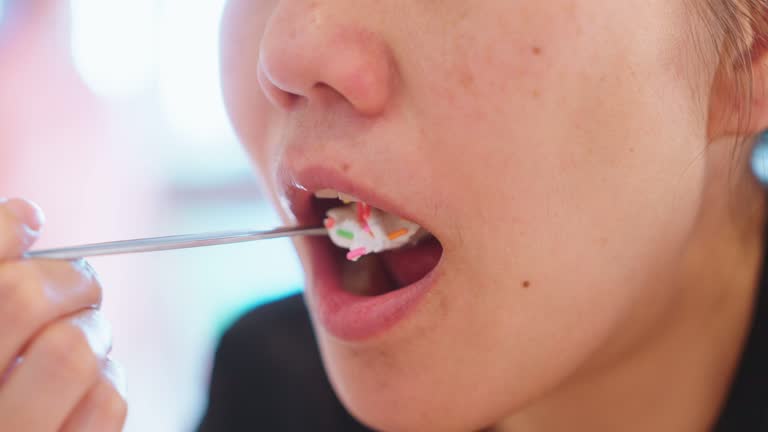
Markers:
363,214
397,234
356,254
345,234
330,223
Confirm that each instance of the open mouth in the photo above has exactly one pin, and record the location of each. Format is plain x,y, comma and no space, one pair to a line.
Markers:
377,252
357,301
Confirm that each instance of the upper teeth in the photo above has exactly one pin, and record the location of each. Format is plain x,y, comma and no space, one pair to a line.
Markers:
327,194
332,194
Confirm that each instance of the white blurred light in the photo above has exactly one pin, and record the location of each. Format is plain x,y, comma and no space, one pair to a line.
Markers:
2,9
189,69
203,145
169,50
113,44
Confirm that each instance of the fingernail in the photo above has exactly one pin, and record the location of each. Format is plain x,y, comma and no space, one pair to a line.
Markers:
28,212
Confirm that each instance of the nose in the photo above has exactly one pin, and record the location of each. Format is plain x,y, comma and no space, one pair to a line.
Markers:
309,53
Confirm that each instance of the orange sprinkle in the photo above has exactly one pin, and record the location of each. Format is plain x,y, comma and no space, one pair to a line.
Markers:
397,234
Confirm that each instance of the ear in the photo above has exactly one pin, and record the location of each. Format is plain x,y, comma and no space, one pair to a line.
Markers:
738,105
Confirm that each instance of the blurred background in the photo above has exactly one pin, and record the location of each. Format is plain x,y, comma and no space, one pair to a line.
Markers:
111,119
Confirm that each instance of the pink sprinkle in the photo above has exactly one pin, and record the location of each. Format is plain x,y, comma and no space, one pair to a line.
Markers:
355,254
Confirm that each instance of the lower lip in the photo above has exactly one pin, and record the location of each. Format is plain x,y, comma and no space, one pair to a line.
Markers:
352,317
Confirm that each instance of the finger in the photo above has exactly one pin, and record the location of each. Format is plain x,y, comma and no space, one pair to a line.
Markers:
62,363
104,408
34,293
20,224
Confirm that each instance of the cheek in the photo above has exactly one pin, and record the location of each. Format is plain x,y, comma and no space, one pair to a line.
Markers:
563,147
588,179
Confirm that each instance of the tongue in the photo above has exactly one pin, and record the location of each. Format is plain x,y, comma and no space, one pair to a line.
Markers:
409,264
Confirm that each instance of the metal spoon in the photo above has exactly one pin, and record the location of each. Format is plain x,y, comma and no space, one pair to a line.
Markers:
171,242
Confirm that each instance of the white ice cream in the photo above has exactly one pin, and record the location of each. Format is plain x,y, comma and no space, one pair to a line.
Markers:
376,232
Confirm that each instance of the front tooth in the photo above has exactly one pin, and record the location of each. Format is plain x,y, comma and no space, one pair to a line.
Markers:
327,194
346,199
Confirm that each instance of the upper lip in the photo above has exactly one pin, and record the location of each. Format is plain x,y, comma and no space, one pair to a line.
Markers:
298,188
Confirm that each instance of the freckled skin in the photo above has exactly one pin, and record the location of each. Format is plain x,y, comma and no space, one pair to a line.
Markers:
554,143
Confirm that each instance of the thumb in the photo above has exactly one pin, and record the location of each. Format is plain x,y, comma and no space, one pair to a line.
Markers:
20,225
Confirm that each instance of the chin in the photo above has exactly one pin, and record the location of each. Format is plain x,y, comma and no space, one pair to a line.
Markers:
392,384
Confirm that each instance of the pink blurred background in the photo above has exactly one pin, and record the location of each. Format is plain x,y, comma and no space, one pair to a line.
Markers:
111,119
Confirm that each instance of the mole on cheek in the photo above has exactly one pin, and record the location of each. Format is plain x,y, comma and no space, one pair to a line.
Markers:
345,167
526,284
536,50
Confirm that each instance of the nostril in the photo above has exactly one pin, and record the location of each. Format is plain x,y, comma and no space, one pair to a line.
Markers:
280,98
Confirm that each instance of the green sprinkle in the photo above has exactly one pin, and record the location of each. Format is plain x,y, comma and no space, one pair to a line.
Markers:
346,234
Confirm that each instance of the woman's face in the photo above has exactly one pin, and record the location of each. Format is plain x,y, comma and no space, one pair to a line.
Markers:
552,147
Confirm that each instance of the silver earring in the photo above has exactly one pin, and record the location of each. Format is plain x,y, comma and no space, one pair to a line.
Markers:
759,159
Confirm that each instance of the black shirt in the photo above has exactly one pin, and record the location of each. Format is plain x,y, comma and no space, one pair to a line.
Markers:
746,408
268,376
